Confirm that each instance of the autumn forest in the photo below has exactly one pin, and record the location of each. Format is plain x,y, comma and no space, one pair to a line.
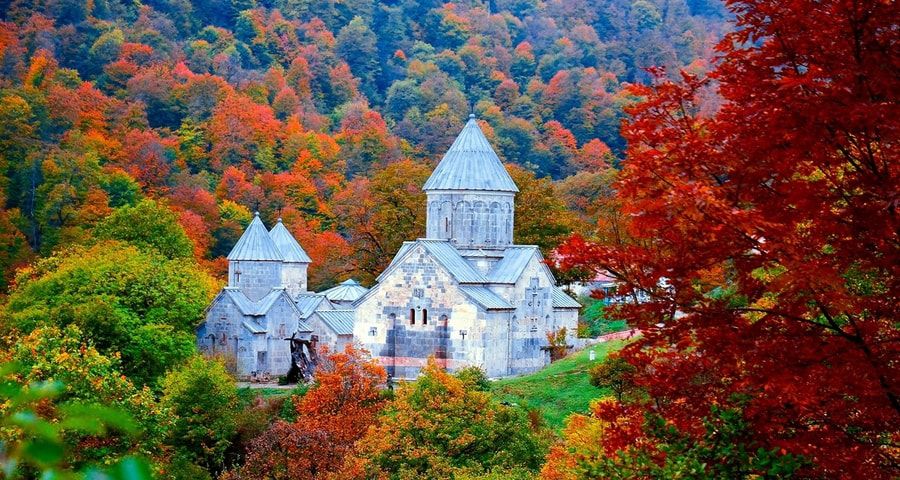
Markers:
733,167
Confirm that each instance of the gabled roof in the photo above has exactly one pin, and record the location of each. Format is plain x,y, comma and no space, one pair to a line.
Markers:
287,245
510,267
471,164
448,256
249,307
340,321
445,254
562,299
255,244
346,291
258,309
485,297
253,326
308,303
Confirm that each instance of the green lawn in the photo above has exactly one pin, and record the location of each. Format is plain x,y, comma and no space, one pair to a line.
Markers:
561,388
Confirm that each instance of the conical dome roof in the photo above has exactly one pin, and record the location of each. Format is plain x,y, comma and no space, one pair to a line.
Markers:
471,164
287,245
255,244
346,291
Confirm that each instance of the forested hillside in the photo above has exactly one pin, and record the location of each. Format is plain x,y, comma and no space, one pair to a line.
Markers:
328,114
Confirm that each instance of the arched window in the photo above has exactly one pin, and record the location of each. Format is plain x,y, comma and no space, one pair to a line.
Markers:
446,215
212,342
392,318
412,316
443,320
424,316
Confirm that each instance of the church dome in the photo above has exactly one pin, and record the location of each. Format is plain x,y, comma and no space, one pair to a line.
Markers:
287,245
471,164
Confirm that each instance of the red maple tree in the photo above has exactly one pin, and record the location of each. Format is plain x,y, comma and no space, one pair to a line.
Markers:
331,417
767,236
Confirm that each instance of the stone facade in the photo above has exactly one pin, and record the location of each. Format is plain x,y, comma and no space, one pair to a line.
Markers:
255,278
465,295
470,219
255,343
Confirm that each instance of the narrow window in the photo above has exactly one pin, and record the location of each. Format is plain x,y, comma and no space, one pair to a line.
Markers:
412,316
373,331
424,316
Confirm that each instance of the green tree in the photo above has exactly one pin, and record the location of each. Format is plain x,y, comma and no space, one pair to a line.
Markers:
149,224
34,424
616,374
64,356
440,426
133,302
356,43
203,399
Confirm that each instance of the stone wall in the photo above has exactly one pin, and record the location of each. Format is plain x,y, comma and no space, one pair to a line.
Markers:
280,323
293,277
471,219
391,321
533,318
223,333
255,278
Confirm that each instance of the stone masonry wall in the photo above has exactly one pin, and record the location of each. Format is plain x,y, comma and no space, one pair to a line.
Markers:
293,277
391,321
255,278
471,219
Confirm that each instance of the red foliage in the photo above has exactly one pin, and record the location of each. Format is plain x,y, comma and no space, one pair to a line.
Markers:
337,411
146,157
767,236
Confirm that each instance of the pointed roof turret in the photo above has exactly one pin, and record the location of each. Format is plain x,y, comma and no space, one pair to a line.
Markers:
287,245
255,244
471,164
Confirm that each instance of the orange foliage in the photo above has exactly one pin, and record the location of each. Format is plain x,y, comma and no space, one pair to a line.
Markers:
341,406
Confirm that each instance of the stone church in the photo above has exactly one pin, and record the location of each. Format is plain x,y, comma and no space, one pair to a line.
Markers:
464,294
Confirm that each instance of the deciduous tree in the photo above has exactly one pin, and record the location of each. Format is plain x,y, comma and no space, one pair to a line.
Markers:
337,411
766,236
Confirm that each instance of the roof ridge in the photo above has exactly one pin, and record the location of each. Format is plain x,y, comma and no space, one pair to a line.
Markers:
255,244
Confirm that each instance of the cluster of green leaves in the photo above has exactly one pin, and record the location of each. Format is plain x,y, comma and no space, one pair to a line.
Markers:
38,423
202,397
137,303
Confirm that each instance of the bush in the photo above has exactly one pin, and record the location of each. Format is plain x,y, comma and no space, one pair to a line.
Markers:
615,374
203,399
474,378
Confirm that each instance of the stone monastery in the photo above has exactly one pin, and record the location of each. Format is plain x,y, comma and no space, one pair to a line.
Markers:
464,294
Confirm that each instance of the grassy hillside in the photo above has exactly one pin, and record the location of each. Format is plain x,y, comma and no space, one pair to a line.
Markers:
560,389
